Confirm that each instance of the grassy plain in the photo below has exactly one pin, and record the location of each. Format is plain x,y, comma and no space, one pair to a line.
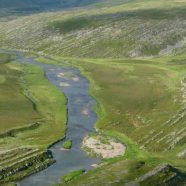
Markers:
37,101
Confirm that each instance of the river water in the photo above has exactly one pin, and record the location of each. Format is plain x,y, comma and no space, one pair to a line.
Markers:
81,121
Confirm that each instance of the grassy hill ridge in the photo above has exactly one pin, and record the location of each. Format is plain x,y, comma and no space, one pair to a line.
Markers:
137,28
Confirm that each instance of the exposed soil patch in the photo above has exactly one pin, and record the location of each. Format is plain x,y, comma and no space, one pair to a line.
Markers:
105,147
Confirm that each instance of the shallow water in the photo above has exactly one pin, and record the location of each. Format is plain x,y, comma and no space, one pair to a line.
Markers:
81,121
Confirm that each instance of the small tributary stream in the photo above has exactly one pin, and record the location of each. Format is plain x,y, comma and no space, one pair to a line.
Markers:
81,121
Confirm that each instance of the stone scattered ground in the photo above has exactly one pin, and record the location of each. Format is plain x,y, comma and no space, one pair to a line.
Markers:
103,146
62,84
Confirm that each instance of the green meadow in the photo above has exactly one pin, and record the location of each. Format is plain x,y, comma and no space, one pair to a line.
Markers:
30,108
140,104
14,105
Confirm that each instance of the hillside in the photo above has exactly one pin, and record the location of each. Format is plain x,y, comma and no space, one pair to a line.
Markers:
129,30
134,55
57,3
12,8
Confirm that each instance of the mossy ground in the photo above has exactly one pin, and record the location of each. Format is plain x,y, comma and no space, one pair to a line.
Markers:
67,144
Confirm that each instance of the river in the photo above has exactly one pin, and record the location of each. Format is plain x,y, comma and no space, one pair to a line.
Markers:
81,121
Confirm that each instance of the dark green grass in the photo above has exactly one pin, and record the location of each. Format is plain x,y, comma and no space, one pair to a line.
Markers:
4,58
73,24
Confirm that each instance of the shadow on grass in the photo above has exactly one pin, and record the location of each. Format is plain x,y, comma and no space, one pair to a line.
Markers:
94,21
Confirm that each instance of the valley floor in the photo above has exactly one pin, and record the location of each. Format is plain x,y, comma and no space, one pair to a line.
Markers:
141,104
33,116
134,55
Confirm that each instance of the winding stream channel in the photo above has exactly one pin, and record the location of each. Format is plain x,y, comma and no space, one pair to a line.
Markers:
81,121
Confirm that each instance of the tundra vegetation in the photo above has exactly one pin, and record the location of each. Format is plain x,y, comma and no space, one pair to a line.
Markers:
133,53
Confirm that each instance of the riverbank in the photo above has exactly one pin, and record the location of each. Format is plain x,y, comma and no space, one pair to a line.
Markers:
134,105
24,89
115,119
